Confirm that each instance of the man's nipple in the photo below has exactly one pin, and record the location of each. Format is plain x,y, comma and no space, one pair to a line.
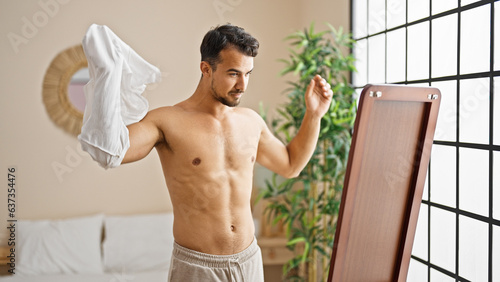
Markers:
196,161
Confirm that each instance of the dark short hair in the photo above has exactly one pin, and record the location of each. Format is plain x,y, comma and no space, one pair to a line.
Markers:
224,36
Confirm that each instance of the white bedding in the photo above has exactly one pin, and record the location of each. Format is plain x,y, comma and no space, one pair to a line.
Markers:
135,248
152,276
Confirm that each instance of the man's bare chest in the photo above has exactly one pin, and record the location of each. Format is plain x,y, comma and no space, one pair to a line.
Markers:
231,144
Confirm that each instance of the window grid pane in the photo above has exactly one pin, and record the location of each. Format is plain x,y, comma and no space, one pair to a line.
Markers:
496,191
497,37
473,181
376,17
359,18
496,253
417,272
496,110
473,249
475,40
443,5
396,13
474,110
444,46
376,59
396,62
417,9
467,2
443,230
446,128
418,51
443,175
441,277
361,63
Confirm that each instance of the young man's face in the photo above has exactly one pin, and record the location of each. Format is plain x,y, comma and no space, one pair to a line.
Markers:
230,79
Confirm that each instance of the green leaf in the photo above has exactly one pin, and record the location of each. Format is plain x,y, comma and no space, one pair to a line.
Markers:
295,35
311,28
295,241
305,254
298,68
278,218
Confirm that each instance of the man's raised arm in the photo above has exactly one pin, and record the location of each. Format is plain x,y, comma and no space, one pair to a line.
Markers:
288,161
143,135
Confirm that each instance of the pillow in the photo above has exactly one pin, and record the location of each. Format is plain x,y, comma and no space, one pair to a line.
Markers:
138,243
59,246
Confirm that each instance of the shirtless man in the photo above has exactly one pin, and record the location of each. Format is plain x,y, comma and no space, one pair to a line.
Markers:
208,148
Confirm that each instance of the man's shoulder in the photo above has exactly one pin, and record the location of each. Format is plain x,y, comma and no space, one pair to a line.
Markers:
249,116
162,115
166,110
250,113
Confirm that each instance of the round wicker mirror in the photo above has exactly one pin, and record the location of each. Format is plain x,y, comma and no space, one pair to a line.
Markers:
55,89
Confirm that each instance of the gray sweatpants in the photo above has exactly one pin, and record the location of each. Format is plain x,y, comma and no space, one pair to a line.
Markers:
188,265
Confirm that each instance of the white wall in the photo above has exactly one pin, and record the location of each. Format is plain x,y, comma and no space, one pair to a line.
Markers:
167,34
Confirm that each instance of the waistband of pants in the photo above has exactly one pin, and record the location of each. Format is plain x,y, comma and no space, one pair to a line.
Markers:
214,261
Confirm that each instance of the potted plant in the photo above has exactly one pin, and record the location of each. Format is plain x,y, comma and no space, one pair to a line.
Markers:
308,205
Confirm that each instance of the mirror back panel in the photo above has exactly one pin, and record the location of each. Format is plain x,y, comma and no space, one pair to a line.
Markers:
384,182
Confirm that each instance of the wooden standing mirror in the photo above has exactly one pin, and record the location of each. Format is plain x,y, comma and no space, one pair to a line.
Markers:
384,182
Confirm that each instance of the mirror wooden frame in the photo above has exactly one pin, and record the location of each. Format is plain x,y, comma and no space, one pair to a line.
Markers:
55,89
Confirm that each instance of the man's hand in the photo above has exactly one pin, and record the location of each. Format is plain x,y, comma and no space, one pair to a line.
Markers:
318,96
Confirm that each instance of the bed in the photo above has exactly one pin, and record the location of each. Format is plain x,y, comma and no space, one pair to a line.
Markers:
94,248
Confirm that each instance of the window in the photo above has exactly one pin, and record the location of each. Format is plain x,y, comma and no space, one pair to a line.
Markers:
453,45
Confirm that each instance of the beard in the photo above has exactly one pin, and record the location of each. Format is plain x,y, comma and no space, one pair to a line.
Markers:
224,100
